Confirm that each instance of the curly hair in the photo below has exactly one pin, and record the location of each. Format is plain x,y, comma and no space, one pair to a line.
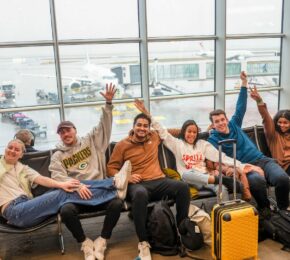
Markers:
281,114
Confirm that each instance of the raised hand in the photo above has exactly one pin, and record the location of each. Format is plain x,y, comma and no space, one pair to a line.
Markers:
140,106
255,94
110,92
244,78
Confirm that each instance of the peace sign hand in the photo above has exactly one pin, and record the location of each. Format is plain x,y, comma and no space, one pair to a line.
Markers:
255,94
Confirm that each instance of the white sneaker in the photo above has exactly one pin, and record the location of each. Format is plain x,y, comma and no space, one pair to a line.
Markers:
88,249
100,245
121,179
144,250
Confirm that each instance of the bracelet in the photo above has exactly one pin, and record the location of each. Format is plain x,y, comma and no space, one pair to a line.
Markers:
109,102
260,101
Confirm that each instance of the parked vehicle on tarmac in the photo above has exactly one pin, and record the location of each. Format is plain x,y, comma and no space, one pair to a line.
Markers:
7,89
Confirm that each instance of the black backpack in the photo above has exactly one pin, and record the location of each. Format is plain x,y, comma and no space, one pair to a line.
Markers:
162,230
278,227
190,235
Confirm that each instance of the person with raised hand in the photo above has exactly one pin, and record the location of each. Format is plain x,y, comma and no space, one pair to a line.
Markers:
191,154
147,181
277,131
247,152
83,158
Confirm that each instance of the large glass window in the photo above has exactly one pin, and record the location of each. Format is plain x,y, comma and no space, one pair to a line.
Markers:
252,116
173,113
99,42
27,20
258,16
79,19
259,57
27,77
86,118
41,123
177,68
87,69
180,17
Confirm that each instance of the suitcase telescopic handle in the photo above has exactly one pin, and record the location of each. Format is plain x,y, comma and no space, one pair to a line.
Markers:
220,143
227,141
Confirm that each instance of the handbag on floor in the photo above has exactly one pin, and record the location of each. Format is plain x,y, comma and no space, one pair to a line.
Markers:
202,219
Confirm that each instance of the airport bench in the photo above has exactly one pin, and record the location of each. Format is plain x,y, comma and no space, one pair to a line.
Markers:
41,160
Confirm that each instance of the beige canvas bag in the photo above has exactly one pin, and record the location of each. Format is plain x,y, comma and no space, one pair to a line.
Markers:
202,219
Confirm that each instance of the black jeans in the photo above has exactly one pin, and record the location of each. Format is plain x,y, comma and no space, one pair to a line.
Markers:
69,214
142,193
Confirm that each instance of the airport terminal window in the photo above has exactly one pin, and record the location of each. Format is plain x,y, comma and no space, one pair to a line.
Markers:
210,70
259,57
180,17
177,68
78,19
259,16
173,113
264,67
86,118
175,71
42,123
19,20
87,69
233,68
27,77
252,116
135,74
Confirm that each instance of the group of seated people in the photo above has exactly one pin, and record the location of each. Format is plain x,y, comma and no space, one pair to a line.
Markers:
84,182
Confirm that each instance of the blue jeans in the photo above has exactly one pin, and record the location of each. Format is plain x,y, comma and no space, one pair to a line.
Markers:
25,212
276,177
258,188
199,180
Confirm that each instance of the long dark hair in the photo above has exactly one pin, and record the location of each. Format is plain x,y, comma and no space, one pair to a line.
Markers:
186,124
284,114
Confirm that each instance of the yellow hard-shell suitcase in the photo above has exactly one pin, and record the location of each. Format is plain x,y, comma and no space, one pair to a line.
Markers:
234,225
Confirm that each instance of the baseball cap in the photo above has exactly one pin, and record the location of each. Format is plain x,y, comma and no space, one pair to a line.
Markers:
65,124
